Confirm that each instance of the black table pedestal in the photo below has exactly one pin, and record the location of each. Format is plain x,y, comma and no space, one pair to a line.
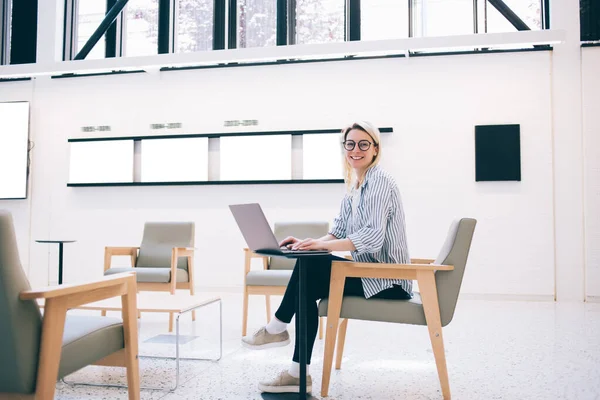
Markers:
60,255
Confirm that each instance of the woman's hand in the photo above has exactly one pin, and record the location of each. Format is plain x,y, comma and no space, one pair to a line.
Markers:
310,244
289,242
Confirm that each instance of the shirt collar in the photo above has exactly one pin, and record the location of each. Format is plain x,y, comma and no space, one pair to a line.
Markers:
368,175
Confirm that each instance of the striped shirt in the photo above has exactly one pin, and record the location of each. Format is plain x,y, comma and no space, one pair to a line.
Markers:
372,217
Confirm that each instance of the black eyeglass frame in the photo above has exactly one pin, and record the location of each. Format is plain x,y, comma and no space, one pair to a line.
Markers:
345,143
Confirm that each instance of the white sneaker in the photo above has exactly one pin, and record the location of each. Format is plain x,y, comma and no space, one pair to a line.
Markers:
285,383
261,339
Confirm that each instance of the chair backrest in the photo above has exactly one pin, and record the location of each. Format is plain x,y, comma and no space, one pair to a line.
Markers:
20,321
158,241
455,251
301,230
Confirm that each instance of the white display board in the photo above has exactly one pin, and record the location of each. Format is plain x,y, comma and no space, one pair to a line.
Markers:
322,156
101,162
256,157
14,146
175,160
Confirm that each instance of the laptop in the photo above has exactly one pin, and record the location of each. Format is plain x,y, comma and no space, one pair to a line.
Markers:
258,234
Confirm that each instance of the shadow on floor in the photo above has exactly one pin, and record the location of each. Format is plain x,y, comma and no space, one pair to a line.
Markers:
284,396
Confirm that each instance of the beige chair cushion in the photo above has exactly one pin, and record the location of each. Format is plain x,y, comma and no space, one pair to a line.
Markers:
400,311
151,275
88,339
268,278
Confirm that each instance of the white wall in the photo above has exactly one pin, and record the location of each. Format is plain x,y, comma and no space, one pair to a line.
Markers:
433,104
533,238
591,143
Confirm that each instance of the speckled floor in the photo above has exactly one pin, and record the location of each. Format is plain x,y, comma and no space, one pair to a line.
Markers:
495,350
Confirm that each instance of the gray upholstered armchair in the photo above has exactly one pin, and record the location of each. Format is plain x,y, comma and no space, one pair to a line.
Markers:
276,272
167,251
440,278
36,351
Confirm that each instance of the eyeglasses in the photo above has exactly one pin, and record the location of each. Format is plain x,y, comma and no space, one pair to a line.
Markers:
364,145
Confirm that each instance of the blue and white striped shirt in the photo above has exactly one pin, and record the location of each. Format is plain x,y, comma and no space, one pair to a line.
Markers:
375,225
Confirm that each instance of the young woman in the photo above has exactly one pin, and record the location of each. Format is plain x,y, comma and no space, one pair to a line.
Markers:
370,225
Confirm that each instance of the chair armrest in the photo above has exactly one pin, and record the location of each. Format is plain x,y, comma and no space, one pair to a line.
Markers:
110,251
253,254
422,260
75,288
121,251
383,270
184,251
248,256
70,296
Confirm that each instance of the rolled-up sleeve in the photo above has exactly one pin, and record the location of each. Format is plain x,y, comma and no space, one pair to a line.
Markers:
377,201
340,222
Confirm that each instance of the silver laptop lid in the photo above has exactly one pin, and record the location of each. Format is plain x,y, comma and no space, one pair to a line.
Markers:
254,226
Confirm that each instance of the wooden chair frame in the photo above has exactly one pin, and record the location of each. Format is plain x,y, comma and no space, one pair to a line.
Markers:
62,298
176,253
420,269
267,291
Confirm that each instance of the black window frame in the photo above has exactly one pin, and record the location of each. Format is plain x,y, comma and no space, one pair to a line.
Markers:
5,7
225,23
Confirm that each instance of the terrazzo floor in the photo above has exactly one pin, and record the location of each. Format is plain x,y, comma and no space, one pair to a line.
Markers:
494,350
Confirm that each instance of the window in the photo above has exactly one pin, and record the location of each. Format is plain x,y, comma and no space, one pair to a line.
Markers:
175,160
141,27
530,12
383,19
5,28
101,161
443,17
257,23
90,14
194,25
319,21
256,157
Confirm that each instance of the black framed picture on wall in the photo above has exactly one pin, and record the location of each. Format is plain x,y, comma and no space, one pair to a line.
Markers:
497,153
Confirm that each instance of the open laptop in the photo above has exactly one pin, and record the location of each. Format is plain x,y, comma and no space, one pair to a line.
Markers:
258,234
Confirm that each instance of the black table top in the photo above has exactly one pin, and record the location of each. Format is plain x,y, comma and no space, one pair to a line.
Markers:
56,241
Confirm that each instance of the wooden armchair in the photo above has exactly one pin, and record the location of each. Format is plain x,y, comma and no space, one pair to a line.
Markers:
276,272
164,262
439,282
37,351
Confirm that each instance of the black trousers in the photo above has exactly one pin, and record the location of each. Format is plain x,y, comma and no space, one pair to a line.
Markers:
318,277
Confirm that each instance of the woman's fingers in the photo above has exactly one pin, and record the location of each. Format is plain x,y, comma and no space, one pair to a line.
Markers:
299,245
288,240
309,244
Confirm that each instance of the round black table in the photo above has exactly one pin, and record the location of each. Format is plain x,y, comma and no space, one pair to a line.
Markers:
60,255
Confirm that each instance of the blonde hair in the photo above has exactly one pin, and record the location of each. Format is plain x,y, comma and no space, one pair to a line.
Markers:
349,177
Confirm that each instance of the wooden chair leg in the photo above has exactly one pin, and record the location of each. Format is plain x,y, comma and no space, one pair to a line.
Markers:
139,315
245,312
103,313
53,326
192,292
341,340
268,301
321,322
431,306
171,317
336,293
130,332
